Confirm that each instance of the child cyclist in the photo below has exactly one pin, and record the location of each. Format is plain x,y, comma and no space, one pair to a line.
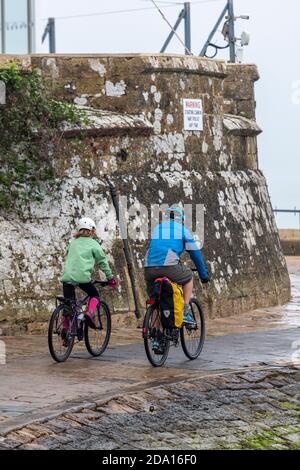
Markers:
83,253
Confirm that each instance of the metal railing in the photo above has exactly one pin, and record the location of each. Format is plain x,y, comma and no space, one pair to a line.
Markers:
288,211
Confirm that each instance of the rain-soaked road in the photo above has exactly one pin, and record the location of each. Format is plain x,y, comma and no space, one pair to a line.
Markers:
33,387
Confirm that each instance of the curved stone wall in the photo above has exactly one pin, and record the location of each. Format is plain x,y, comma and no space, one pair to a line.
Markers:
157,163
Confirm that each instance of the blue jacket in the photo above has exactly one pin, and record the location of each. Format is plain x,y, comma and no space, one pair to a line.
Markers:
169,240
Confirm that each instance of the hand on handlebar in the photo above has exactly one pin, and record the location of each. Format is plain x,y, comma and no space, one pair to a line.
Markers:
203,281
113,283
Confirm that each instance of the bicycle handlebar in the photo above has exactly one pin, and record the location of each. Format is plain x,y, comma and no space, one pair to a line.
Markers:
101,283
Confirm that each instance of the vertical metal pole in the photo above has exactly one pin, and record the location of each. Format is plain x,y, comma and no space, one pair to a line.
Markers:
31,26
3,27
126,248
52,45
231,31
187,27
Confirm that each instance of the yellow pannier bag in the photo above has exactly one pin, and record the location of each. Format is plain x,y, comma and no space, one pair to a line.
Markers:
170,296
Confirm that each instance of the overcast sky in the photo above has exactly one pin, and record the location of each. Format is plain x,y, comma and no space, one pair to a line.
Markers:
274,47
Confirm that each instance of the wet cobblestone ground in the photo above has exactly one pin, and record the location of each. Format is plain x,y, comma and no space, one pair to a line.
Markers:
243,391
258,409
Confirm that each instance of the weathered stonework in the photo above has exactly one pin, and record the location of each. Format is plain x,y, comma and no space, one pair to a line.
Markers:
290,242
139,141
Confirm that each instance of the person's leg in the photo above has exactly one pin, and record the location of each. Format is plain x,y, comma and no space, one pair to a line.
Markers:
182,275
93,293
149,285
150,276
93,304
69,291
69,294
187,294
187,291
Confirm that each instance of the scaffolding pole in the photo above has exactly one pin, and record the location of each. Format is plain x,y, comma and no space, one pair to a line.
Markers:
50,32
185,15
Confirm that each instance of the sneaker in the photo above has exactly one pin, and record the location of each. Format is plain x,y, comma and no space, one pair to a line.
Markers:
188,319
90,319
156,347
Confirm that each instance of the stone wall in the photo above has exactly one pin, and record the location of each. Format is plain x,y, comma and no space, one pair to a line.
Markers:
157,163
290,242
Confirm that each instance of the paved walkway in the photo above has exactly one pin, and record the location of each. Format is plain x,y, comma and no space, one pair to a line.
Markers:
34,389
251,410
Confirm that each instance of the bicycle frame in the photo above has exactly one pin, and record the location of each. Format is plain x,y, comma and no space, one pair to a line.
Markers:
69,320
76,308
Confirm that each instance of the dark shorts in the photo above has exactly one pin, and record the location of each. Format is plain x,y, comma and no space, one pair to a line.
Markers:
180,273
89,289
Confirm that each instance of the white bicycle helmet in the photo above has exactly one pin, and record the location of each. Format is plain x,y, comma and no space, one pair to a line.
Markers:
86,223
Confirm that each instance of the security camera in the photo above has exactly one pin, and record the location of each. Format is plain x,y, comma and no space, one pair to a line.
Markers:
245,38
225,30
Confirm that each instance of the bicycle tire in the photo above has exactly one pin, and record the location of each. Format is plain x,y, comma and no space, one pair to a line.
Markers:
102,306
153,358
51,327
196,311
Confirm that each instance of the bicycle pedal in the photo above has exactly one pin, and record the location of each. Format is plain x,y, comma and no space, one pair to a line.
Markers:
158,349
66,341
158,352
191,327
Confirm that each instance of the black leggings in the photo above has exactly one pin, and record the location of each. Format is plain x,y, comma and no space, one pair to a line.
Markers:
89,289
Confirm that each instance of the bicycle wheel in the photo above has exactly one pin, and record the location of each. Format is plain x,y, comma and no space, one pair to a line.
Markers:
96,340
153,330
192,338
60,341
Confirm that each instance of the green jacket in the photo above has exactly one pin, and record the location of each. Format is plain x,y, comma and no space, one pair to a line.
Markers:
82,254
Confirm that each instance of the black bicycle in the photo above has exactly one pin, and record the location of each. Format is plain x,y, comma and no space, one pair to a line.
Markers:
71,313
192,337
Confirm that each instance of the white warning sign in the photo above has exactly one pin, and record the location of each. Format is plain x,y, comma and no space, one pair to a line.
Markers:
193,115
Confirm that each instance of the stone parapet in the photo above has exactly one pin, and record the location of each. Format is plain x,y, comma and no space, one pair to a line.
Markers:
139,141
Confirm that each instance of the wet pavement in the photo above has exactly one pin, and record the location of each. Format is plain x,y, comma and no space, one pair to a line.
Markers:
258,409
33,388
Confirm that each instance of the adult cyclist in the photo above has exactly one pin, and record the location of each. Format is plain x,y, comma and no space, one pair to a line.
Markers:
168,242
